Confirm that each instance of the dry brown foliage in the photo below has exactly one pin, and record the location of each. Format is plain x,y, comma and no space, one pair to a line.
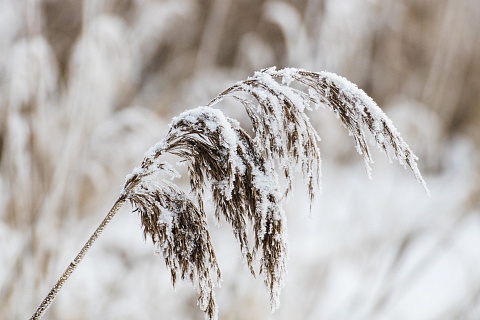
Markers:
240,172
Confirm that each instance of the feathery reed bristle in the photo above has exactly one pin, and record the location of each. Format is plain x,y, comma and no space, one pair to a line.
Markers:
179,230
241,171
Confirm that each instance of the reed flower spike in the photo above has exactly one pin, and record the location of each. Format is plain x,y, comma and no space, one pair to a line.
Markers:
242,173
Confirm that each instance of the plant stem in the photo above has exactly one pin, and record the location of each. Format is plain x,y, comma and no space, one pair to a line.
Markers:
71,267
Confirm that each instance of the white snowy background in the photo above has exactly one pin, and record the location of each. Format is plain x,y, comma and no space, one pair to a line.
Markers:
86,87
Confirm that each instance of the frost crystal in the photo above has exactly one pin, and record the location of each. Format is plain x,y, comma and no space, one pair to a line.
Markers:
241,173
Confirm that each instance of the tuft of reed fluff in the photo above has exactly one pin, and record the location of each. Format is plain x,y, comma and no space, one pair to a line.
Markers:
179,230
241,173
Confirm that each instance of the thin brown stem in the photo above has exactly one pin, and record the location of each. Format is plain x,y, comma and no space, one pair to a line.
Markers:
71,267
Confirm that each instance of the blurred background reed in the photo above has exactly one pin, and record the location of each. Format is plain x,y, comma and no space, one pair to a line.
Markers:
87,86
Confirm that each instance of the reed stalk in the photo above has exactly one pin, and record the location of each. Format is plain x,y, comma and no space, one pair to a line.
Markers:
73,265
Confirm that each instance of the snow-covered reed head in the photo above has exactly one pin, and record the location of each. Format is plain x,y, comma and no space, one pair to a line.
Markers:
241,172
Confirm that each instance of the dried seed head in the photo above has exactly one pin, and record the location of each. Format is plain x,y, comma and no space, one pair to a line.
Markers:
241,172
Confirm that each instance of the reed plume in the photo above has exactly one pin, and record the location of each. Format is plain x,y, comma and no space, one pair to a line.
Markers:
241,172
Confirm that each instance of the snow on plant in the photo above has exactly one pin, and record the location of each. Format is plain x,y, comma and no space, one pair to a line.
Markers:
241,172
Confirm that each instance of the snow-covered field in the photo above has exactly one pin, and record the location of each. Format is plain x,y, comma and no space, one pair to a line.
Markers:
87,87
